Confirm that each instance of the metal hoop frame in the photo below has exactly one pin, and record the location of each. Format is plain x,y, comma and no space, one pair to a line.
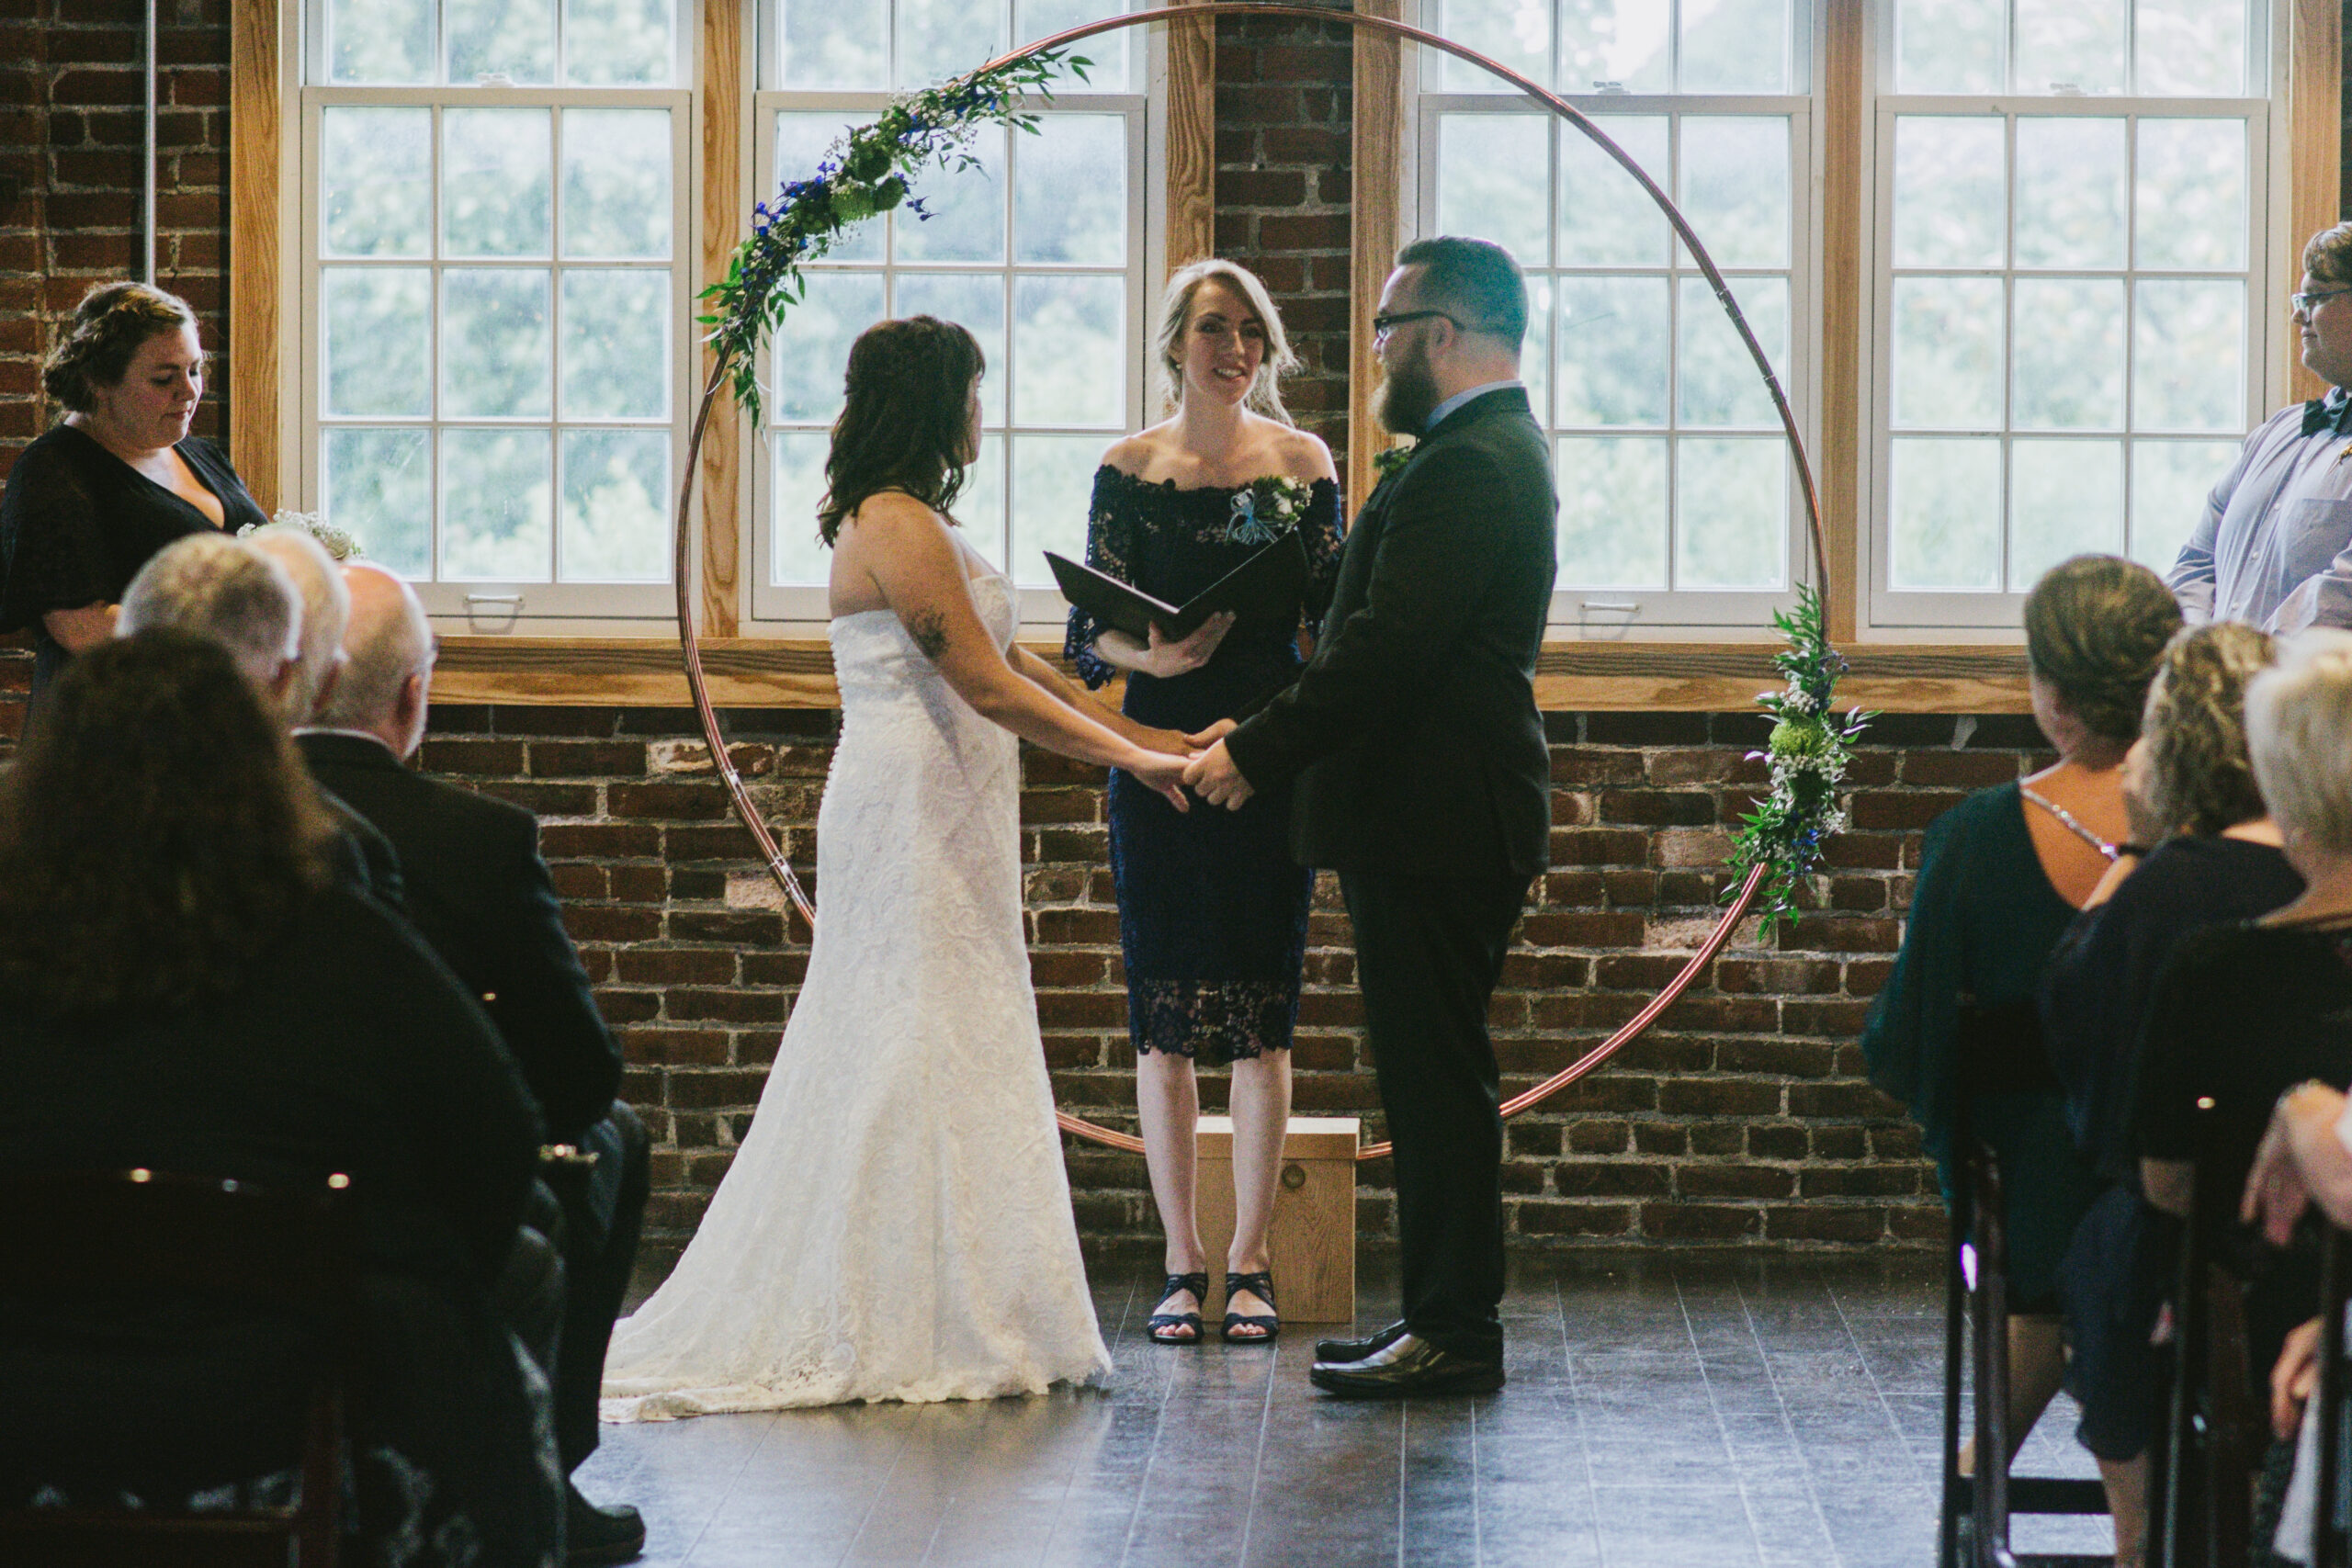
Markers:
682,575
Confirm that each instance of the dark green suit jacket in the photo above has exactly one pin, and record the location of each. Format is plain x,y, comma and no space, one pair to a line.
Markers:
1412,739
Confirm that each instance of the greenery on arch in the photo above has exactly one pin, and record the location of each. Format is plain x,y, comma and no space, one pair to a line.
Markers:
870,171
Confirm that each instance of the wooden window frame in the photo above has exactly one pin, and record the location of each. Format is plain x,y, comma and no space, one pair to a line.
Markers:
1896,676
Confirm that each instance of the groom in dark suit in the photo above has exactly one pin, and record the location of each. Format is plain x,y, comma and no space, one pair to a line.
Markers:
1422,778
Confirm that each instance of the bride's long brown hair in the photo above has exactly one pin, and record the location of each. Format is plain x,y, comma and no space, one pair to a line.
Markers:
902,426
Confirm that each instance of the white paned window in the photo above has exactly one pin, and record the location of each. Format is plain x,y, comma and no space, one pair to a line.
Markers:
1679,504
493,231
1040,251
2071,290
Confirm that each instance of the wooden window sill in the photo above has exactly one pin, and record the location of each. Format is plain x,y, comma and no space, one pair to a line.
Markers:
1570,677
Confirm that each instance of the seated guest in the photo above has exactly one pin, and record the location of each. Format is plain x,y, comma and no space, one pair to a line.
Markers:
2299,724
2188,785
2246,1010
2000,876
184,987
482,896
255,601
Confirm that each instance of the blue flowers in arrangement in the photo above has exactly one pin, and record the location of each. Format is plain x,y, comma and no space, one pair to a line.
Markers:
1809,751
869,172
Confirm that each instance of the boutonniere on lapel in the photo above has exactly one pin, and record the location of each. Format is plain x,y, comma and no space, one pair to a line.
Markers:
1264,509
1388,460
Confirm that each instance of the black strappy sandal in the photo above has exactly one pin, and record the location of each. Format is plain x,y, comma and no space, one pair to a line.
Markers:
1160,1326
1261,1285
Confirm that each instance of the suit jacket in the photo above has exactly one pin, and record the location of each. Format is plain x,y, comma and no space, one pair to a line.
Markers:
480,895
362,857
1412,738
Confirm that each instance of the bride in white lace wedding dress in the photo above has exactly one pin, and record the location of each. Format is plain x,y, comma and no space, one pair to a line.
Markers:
896,1224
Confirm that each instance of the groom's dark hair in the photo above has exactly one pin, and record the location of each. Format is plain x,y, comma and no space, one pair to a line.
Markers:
902,422
1474,280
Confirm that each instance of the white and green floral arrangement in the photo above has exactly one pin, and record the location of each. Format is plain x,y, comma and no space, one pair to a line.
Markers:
337,542
1266,509
1389,459
869,171
1809,751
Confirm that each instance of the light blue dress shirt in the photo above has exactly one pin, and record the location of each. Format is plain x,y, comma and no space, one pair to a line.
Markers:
2274,548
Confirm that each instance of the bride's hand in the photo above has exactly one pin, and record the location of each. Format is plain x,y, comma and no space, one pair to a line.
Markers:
1175,742
1165,773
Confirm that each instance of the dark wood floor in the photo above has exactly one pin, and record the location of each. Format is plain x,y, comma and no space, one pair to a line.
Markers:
1661,1413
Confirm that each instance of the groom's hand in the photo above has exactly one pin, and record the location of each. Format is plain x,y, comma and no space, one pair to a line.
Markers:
1219,731
1214,779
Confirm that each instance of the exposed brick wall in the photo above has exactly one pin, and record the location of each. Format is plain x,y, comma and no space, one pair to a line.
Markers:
71,142
1740,1118
1285,107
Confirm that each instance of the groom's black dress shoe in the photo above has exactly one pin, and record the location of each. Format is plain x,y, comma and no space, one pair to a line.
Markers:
594,1535
1357,1350
1408,1365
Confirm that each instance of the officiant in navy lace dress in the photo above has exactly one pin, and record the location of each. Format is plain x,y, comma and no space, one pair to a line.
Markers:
1211,908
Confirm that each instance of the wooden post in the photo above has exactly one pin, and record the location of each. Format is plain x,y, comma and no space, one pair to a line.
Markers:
1314,1234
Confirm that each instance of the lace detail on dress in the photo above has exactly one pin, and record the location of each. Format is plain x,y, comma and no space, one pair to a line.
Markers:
1224,1021
896,1224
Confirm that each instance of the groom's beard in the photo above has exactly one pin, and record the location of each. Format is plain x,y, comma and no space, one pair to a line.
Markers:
1406,395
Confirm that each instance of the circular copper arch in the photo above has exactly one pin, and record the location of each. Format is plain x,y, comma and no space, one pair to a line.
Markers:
682,575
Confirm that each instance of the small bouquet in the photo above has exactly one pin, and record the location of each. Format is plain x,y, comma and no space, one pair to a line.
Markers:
331,540
1264,509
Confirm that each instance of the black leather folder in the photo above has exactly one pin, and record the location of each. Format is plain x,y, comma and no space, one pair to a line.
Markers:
1267,587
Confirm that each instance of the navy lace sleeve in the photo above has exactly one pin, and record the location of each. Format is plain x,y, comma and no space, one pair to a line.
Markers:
1323,531
1110,548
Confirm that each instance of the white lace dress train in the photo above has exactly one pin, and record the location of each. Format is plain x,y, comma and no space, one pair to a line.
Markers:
896,1224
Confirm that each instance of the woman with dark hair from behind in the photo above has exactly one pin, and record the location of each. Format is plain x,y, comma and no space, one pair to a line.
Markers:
182,989
2188,787
896,1224
117,480
2000,876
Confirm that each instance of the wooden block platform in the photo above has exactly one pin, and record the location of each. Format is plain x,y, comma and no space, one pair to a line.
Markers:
1314,1239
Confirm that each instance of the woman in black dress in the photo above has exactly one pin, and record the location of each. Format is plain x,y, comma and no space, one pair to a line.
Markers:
1212,909
2188,785
117,480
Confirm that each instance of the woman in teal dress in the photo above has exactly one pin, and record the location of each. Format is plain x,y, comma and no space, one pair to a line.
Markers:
2000,876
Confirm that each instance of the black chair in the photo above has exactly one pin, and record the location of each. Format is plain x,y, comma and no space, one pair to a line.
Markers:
2201,1474
1998,1049
268,1275
2329,1546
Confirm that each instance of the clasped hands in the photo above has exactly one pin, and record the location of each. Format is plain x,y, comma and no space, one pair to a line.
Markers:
1208,772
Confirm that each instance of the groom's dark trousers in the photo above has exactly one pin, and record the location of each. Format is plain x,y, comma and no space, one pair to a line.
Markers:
1421,775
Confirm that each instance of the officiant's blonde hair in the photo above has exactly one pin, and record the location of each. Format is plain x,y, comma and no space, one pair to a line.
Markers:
1176,310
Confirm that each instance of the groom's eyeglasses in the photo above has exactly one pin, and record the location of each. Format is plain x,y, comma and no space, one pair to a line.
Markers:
1382,325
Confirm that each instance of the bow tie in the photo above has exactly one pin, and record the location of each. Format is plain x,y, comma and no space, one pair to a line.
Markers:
2318,415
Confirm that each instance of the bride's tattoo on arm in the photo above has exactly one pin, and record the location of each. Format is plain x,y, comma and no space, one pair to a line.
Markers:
930,632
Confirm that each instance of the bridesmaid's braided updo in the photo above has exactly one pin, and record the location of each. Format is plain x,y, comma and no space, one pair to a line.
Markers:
110,325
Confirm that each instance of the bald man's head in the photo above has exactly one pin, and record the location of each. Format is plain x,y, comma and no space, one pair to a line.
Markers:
384,687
